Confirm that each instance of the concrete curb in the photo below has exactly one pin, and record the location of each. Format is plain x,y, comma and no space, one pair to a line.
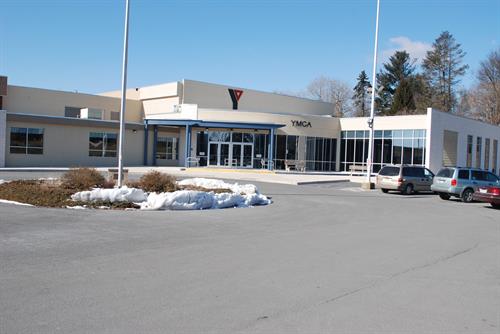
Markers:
304,183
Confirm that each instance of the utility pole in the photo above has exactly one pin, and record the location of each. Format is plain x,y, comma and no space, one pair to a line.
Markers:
124,96
369,161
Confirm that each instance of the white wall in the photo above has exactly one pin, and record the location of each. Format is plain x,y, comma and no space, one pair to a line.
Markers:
440,121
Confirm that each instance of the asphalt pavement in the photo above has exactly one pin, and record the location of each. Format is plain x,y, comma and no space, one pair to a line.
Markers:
320,259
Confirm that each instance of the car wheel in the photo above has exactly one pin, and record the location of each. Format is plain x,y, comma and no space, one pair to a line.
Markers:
444,196
467,195
385,191
495,206
408,189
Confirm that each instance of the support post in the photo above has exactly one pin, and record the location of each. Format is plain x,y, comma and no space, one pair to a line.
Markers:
270,151
146,139
155,143
188,145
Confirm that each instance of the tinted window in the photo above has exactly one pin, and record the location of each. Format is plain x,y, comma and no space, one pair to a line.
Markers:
389,171
419,172
463,174
428,172
491,177
478,175
446,172
413,171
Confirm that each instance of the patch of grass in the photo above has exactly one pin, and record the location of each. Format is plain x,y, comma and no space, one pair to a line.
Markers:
215,190
80,179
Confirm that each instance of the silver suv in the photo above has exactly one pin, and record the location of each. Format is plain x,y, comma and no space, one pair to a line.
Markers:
404,178
462,182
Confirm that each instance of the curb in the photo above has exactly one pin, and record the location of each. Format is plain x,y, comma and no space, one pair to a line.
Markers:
304,183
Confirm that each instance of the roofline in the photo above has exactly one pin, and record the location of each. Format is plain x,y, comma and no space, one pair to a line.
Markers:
212,124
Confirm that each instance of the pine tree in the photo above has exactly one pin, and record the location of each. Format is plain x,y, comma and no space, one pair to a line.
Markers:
399,67
403,100
361,94
442,68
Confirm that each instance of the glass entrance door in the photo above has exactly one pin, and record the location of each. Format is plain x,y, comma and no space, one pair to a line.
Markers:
236,155
242,155
218,154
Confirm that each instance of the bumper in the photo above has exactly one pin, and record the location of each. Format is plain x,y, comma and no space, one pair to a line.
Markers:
448,190
389,186
488,198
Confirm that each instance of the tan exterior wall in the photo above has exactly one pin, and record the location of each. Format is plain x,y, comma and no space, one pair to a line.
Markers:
50,102
212,96
154,107
68,146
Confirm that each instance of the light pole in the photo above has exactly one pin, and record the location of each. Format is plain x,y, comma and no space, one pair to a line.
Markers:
369,160
124,95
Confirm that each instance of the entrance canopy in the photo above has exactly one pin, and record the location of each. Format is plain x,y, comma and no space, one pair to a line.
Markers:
189,124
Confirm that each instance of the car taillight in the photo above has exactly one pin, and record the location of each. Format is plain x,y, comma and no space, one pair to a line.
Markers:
453,182
494,191
400,180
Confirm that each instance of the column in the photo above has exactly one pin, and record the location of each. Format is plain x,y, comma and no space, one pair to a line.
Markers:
146,139
270,150
155,143
188,145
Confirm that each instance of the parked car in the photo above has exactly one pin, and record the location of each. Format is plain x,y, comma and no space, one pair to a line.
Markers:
462,182
489,195
404,178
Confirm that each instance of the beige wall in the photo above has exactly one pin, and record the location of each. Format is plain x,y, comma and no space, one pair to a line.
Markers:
213,96
154,107
50,102
68,146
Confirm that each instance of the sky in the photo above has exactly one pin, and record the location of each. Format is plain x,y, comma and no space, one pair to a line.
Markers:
273,45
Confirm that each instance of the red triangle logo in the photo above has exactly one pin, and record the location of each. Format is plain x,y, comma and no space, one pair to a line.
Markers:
238,93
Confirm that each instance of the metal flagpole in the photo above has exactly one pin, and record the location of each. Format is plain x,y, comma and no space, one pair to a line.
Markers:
123,102
369,160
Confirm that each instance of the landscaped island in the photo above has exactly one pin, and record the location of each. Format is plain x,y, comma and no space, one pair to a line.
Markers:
86,188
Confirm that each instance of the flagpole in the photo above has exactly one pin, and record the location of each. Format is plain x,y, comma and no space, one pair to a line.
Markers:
123,99
369,161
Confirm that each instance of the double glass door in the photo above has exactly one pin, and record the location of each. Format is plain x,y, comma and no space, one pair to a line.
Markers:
237,155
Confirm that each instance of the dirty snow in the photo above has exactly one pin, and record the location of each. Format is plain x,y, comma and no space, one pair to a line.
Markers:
241,196
76,207
14,202
123,194
219,184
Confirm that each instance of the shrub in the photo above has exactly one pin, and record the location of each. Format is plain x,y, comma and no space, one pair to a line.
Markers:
157,182
82,179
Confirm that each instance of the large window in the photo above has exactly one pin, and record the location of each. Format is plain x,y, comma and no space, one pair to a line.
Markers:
469,150
479,143
26,141
102,144
167,148
495,157
321,153
486,154
390,147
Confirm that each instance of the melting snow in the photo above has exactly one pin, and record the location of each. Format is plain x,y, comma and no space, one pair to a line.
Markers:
241,196
14,202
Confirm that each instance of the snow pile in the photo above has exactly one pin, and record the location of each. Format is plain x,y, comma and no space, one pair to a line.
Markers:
199,200
240,196
123,194
219,184
5,201
3,181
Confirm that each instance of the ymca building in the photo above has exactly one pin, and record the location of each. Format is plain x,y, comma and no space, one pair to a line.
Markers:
191,123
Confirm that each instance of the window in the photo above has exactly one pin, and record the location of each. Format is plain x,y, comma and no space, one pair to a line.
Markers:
73,112
102,144
463,174
167,148
114,115
26,141
478,175
487,154
389,171
446,172
495,156
490,177
469,151
478,151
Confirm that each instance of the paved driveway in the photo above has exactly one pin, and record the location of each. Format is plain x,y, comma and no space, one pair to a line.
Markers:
321,259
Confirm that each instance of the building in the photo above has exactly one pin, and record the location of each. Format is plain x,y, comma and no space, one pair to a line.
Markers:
191,122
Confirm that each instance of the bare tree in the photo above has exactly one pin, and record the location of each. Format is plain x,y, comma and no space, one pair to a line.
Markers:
333,91
484,97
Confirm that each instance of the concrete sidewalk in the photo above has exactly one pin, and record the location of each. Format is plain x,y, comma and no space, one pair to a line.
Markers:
253,175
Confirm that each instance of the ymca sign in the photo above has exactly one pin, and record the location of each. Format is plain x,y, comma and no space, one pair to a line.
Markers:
301,124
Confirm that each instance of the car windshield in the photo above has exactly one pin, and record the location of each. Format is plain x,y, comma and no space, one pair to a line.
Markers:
446,172
389,171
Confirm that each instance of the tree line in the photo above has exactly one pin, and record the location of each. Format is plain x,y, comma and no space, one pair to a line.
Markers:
404,87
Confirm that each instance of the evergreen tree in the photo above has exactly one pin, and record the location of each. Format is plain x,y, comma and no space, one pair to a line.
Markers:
361,94
399,67
403,100
442,68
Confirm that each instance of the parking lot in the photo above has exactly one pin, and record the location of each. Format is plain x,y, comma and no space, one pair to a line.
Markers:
320,259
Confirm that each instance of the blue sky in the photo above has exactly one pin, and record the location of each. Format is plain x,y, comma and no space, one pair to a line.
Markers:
266,45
